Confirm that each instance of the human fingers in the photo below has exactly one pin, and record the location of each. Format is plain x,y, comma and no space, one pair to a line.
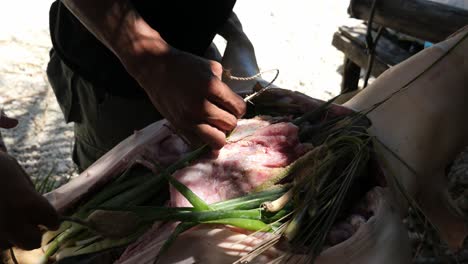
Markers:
210,135
6,122
189,137
220,94
25,236
218,117
4,244
44,214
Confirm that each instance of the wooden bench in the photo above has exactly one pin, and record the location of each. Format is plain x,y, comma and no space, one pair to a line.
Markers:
351,40
418,19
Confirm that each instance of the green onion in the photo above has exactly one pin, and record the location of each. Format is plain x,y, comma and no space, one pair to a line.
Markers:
60,239
247,224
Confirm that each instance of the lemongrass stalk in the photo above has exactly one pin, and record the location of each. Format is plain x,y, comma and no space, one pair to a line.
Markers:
110,192
335,209
87,241
326,127
66,252
247,224
203,216
52,247
307,160
252,200
276,175
127,222
314,114
95,247
137,188
278,204
142,210
327,216
112,224
146,196
249,204
293,225
106,244
133,193
197,203
50,235
280,215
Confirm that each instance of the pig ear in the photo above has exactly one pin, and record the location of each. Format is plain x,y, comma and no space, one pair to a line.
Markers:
6,122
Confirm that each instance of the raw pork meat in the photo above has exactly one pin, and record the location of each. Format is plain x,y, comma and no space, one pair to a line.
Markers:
256,149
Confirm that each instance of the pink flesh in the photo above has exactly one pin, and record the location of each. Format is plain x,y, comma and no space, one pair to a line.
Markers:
256,148
242,165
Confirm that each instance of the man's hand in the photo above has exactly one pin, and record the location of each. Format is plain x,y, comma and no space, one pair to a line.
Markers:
188,91
22,209
6,122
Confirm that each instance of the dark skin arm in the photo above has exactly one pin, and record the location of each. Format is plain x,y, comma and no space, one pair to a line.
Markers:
186,89
239,57
22,209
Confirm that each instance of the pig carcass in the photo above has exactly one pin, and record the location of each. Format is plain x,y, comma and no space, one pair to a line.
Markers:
423,124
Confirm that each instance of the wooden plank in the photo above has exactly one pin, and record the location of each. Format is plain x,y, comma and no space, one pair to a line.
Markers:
387,49
423,19
351,41
357,54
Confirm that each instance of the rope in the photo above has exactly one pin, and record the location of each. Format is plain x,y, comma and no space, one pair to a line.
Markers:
227,74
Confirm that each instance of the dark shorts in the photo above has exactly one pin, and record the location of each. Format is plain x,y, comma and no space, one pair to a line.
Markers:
100,120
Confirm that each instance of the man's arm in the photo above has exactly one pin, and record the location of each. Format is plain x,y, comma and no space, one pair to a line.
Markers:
185,88
239,57
22,209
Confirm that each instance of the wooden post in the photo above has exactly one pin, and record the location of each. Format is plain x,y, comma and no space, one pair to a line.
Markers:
351,74
423,19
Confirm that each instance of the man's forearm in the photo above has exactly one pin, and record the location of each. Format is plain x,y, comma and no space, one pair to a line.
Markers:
118,25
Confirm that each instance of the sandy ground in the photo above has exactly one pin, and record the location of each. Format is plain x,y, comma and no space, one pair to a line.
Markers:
42,142
293,36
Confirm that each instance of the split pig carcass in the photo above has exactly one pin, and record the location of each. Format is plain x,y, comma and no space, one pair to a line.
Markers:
418,122
419,130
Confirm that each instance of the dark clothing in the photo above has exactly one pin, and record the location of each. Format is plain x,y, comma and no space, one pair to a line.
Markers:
91,85
98,124
186,25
